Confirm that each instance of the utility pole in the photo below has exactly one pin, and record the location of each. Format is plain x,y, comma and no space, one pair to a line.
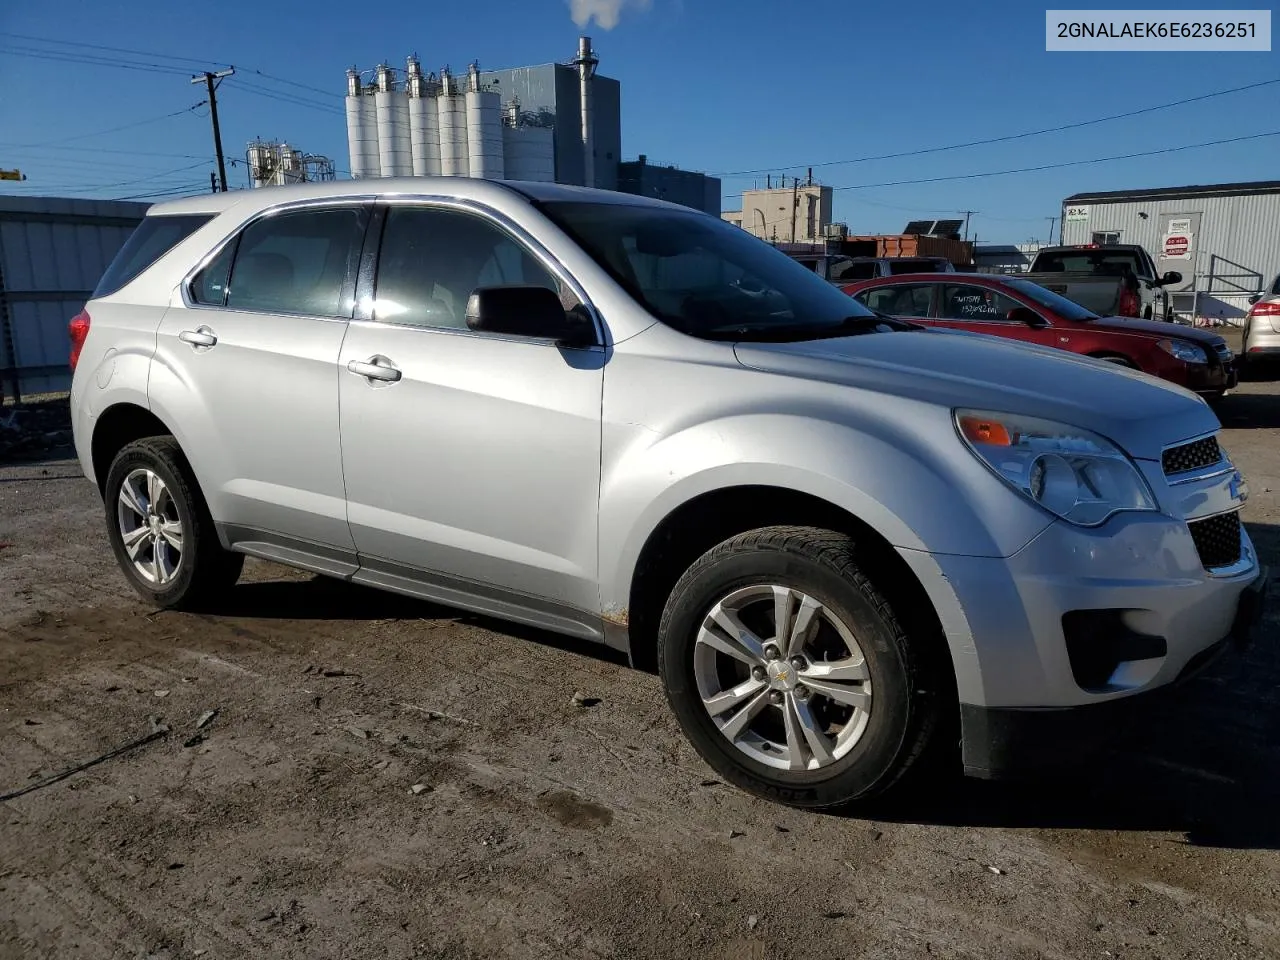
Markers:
208,78
213,181
966,221
1052,221
795,205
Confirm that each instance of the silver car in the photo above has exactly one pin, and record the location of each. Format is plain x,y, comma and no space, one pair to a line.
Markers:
844,542
1262,326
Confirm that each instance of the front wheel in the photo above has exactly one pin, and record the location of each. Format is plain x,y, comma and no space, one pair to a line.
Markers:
161,530
789,671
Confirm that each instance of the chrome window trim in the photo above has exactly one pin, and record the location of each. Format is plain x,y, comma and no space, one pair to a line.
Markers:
520,235
291,206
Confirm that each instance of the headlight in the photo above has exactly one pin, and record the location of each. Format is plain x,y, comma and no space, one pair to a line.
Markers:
1186,352
1077,475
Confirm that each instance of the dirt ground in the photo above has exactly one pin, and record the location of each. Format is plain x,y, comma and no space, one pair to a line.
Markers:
387,778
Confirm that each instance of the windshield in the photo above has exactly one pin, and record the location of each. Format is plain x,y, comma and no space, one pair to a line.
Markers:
1067,309
708,278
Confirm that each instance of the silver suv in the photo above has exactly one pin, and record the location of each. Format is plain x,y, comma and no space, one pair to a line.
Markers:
842,540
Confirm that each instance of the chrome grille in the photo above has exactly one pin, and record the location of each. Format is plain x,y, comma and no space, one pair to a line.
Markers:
1191,456
1217,539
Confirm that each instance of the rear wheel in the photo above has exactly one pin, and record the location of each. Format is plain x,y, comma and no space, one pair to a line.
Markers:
1117,360
789,671
161,530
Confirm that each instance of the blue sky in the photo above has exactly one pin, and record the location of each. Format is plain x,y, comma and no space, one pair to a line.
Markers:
710,85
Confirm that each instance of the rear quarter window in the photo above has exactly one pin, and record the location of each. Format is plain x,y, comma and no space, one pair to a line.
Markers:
152,239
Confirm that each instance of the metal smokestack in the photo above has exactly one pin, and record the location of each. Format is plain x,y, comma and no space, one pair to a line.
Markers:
586,63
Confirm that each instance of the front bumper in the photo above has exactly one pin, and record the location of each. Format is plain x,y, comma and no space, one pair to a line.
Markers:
1078,625
1006,742
1212,378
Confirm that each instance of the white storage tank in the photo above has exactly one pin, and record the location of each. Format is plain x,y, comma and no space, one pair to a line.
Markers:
452,111
362,134
529,153
424,121
484,129
392,108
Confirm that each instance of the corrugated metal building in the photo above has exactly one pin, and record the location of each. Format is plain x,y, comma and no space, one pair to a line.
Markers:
1223,238
52,253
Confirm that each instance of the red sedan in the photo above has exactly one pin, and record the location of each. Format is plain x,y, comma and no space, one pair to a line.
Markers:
1005,306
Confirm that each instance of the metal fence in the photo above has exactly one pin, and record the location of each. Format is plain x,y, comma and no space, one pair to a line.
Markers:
53,250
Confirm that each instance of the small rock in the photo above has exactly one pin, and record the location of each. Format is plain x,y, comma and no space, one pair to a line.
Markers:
358,732
31,723
752,921
132,798
337,672
734,834
876,835
194,741
309,669
269,915
162,693
834,914
175,866
709,783
996,870
205,717
780,828
418,788
198,953
382,765
580,699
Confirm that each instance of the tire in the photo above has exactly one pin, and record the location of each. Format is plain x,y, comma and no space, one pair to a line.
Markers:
189,574
882,742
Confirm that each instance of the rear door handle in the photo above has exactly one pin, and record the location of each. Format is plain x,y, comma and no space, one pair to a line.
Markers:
375,368
200,337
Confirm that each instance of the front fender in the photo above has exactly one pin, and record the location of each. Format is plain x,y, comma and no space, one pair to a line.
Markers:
919,489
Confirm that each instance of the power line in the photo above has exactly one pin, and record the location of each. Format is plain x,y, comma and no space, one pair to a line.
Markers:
126,126
190,188
98,46
288,98
1005,139
58,57
1056,166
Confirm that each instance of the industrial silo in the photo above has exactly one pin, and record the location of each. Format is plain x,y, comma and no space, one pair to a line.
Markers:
529,150
392,108
424,121
452,111
362,132
484,129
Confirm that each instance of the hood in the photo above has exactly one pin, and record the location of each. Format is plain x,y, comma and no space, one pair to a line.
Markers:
1159,327
1139,412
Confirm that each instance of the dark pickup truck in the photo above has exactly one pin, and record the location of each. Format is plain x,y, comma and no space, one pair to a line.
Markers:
1112,280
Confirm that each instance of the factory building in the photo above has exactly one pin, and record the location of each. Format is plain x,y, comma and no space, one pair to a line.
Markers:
799,213
275,164
554,122
666,182
1221,237
559,122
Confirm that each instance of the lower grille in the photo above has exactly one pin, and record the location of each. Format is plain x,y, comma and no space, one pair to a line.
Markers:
1217,539
1191,456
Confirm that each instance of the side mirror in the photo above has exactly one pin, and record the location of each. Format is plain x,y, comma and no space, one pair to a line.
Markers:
526,312
1173,276
1026,316
1254,298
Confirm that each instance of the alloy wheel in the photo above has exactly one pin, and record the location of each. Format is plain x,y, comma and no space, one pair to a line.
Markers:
150,527
782,677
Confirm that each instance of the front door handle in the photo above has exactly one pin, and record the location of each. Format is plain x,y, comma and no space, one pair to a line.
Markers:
375,368
200,337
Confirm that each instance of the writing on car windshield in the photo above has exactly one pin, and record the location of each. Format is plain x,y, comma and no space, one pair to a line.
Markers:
708,278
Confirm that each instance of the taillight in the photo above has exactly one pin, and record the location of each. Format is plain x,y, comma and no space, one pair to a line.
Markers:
1267,308
1129,302
78,330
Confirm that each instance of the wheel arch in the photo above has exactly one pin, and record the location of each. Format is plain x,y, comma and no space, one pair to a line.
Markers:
119,425
699,523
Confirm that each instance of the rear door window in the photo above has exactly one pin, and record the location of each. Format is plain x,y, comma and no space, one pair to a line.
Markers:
900,300
302,261
152,239
975,305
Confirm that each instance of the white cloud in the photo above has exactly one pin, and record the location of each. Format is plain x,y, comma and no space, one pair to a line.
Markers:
605,13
